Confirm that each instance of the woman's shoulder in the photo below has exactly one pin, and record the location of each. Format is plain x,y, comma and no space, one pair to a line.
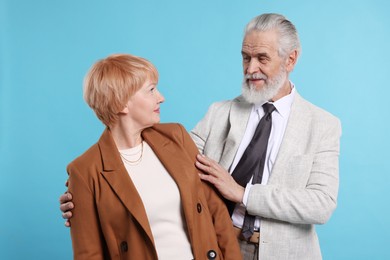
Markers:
169,128
86,158
172,131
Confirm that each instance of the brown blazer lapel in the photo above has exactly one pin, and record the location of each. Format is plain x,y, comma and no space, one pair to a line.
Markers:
116,175
178,164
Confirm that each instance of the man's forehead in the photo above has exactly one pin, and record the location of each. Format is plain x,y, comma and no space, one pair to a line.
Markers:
260,41
258,48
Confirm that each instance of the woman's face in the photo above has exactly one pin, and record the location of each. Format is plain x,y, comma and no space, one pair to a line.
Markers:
144,105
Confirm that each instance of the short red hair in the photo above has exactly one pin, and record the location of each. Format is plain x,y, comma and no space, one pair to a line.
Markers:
111,82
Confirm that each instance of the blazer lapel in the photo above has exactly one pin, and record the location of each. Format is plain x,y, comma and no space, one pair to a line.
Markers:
238,118
296,129
116,175
167,153
173,159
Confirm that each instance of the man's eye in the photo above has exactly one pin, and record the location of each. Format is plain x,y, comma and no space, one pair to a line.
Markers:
263,60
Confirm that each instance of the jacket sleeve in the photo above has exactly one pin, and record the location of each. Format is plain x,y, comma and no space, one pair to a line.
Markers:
85,230
201,131
223,226
314,201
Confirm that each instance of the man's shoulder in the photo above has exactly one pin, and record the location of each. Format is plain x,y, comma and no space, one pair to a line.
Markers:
227,104
315,111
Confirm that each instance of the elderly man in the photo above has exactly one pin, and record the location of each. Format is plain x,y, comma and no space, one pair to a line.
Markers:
271,154
288,185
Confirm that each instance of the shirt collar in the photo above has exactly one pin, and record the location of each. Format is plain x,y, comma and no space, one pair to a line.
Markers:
282,105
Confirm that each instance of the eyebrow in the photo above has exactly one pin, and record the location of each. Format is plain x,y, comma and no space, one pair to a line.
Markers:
263,54
260,54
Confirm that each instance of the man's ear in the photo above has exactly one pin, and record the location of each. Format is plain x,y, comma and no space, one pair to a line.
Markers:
291,60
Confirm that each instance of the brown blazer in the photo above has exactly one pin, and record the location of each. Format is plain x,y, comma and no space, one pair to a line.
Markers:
109,220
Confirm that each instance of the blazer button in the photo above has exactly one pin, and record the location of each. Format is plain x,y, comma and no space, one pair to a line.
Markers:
124,247
211,254
199,207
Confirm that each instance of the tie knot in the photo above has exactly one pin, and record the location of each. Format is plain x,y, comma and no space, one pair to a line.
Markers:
268,108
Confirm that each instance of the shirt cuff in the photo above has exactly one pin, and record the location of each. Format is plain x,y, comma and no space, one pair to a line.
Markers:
246,193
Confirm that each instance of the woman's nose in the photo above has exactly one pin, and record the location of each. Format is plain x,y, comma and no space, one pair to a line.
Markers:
160,97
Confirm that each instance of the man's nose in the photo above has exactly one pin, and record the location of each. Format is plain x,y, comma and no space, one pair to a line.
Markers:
253,66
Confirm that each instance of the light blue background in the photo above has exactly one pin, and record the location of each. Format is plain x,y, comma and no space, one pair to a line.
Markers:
47,46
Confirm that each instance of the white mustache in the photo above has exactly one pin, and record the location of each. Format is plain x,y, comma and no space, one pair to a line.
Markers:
256,76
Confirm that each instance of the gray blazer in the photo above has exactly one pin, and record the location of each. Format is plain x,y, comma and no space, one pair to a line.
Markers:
303,186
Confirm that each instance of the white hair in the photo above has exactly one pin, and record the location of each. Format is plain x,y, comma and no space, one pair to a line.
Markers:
288,35
271,88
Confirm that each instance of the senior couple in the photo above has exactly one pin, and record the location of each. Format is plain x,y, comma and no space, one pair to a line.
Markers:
269,158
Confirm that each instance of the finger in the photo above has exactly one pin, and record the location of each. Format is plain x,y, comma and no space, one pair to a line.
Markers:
206,177
204,159
66,206
218,167
67,223
67,215
204,168
213,165
66,197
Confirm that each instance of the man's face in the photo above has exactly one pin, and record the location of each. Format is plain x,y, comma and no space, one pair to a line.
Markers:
264,70
260,55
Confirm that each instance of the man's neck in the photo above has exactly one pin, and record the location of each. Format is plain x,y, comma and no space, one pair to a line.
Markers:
284,91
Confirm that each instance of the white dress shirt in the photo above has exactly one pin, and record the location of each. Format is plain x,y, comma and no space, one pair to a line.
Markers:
279,123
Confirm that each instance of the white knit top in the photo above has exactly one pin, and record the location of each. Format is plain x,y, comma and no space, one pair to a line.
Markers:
161,198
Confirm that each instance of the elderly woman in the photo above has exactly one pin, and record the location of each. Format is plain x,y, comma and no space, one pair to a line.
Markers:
137,192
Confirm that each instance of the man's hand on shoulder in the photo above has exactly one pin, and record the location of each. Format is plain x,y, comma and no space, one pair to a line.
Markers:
66,206
215,174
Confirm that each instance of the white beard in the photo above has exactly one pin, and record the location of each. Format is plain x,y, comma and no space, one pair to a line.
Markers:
267,92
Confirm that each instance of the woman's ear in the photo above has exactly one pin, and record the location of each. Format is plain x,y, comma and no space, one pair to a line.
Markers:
125,110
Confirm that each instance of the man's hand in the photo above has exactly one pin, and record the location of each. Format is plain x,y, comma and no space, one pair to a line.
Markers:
220,178
66,206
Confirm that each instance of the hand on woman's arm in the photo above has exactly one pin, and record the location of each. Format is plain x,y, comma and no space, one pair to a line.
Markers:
66,206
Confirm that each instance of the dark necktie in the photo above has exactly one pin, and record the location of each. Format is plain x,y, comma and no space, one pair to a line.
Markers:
252,164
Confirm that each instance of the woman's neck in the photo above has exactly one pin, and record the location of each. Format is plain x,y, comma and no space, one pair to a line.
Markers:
125,136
